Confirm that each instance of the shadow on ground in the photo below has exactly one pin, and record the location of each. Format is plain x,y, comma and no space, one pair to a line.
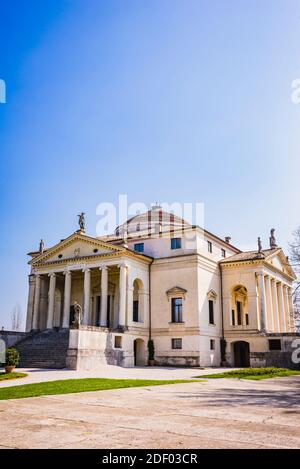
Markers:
248,397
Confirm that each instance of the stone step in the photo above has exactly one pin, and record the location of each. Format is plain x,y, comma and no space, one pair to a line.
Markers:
46,349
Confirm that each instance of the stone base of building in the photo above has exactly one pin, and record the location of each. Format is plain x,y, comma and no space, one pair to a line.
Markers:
91,347
186,361
259,353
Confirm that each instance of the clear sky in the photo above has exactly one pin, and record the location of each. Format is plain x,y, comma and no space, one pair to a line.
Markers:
163,100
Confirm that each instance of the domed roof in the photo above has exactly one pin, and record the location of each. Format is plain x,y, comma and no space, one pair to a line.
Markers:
154,221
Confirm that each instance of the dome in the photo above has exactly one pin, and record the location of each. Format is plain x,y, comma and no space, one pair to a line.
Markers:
154,221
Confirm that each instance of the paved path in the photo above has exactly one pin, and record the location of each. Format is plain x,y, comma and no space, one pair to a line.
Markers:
214,414
108,371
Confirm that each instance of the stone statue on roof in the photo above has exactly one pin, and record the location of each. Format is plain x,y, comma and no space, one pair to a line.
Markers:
259,244
41,247
81,221
273,244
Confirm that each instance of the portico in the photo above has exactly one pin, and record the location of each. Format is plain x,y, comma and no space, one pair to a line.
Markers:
102,285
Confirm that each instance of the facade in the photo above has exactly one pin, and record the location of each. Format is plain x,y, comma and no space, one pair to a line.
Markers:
200,299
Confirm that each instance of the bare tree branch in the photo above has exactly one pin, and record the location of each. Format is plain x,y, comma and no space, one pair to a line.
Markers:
295,262
16,318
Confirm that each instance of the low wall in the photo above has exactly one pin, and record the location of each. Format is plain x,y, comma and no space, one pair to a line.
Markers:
12,337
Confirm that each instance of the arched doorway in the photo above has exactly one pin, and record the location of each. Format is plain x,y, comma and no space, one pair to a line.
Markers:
139,352
241,350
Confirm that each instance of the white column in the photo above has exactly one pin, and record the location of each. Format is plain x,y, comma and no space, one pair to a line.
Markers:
291,310
51,300
270,304
286,308
87,290
122,292
67,299
262,301
104,292
281,308
36,305
30,303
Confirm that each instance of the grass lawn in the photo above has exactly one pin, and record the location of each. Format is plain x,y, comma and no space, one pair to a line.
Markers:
5,376
253,373
69,386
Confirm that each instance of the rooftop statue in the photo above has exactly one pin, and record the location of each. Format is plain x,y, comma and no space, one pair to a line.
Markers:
273,243
81,221
41,247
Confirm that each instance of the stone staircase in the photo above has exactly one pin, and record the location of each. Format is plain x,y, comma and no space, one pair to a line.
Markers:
46,349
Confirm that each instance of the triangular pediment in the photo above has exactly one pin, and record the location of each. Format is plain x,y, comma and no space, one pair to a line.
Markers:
176,291
74,247
279,261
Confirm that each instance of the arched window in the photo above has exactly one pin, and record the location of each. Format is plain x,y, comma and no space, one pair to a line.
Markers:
137,310
211,297
239,312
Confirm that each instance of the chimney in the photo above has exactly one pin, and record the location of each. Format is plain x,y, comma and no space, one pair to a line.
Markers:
227,239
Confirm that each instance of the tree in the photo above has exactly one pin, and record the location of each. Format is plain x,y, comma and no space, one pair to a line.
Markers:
16,318
295,262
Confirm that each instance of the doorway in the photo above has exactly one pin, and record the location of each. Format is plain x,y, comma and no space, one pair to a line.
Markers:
139,352
241,350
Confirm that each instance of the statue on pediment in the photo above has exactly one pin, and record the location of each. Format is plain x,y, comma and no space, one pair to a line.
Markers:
81,221
41,247
273,244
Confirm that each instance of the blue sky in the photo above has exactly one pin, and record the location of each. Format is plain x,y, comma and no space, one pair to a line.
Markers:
167,100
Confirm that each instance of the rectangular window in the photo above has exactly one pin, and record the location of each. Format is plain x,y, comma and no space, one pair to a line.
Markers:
223,252
175,243
118,341
274,344
209,246
139,247
211,311
247,319
212,344
239,312
176,309
176,343
233,317
135,311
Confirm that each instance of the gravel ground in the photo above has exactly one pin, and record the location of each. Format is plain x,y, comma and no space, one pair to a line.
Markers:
214,414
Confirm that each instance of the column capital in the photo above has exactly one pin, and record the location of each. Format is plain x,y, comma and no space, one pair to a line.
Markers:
103,267
52,274
67,272
122,264
37,275
86,269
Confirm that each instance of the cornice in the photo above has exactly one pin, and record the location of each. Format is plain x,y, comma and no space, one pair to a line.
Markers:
257,262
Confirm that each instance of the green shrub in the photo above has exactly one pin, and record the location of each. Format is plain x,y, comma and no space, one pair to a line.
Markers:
12,357
257,371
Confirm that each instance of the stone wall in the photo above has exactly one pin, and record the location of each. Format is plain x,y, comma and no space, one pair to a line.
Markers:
188,361
91,347
12,337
